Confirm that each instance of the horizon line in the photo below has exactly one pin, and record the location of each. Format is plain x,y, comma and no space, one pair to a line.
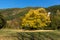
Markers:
28,7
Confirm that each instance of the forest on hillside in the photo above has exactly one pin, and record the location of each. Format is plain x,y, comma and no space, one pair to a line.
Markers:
31,18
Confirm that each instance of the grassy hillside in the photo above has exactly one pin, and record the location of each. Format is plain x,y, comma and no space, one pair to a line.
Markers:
12,13
14,35
13,16
54,8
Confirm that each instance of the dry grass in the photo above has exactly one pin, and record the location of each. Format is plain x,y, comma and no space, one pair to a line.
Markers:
13,34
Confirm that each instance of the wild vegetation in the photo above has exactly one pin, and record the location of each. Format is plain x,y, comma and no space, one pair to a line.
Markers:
36,19
15,16
30,18
14,35
2,21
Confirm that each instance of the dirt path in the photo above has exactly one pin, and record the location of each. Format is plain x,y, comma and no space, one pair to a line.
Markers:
14,30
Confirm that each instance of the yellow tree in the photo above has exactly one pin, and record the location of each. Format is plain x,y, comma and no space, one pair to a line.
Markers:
36,18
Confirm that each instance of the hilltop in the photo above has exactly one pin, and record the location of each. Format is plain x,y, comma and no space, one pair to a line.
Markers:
15,14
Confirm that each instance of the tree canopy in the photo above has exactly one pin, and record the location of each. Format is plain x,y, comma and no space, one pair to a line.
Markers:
36,18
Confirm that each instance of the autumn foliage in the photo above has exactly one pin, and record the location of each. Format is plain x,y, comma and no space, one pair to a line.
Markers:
36,19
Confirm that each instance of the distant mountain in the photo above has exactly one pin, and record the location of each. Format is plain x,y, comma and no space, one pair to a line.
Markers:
54,8
12,13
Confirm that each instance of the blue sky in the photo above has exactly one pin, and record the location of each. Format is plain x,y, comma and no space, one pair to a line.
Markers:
27,3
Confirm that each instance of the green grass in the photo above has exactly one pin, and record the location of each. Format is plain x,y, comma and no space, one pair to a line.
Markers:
14,35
